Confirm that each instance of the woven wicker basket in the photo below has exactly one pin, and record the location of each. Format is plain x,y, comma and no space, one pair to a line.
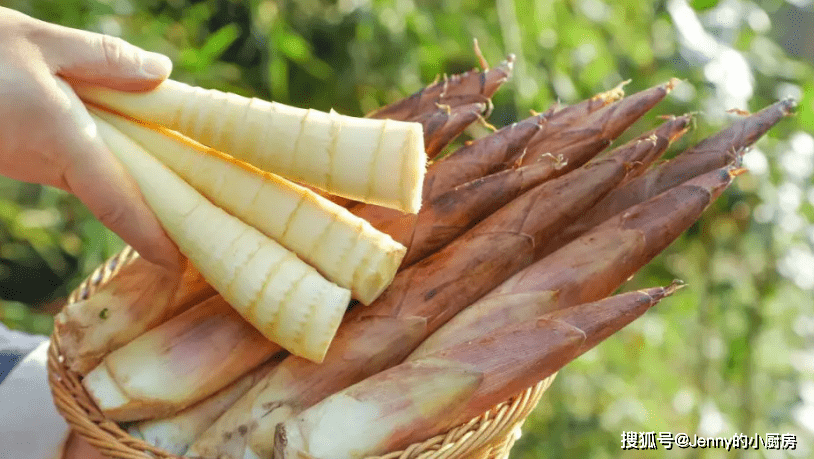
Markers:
489,436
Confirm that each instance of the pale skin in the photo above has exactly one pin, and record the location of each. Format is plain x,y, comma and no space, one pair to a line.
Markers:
42,142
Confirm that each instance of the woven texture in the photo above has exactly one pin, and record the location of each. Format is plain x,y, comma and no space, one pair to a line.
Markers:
489,436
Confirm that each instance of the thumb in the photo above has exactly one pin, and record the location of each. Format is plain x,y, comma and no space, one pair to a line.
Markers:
101,59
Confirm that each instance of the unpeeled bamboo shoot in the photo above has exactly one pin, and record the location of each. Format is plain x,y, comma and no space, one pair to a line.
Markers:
174,434
141,297
584,271
285,298
425,295
718,150
377,161
445,124
397,407
582,140
497,151
178,363
599,261
341,246
505,309
293,385
606,256
425,397
444,218
460,89
481,157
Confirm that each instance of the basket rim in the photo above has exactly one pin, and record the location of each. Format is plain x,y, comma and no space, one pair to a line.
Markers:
490,435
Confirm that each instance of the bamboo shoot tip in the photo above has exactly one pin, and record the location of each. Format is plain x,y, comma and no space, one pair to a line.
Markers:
670,85
675,285
788,106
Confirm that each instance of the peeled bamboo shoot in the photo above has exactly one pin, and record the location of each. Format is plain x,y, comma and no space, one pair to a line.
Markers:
286,299
369,160
341,246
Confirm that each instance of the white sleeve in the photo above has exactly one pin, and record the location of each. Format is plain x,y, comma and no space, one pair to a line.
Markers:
30,426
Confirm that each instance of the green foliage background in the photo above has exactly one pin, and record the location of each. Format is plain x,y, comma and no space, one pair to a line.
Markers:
732,353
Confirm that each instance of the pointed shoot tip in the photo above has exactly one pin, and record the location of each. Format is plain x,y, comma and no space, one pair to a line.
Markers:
788,106
675,285
670,85
664,292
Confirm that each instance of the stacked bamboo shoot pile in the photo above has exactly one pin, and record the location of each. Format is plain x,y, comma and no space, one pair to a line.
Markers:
497,276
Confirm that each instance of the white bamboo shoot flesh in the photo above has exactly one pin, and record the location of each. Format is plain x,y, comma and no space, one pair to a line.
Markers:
178,363
345,248
285,298
174,434
376,161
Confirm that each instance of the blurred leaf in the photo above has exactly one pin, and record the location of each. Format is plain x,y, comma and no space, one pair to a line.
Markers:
297,49
217,43
701,5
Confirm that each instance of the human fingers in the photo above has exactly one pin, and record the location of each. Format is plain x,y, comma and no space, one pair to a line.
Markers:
100,181
99,59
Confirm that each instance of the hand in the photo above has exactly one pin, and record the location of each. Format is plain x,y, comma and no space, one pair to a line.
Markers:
47,136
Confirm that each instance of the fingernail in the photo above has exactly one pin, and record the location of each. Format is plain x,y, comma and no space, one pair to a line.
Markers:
157,66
